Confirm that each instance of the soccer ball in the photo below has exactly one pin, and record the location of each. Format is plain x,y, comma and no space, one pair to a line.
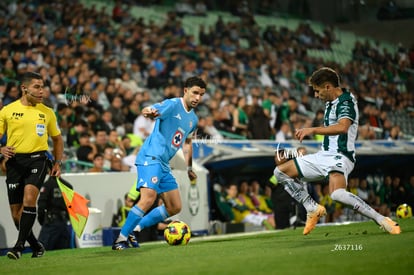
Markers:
404,211
177,233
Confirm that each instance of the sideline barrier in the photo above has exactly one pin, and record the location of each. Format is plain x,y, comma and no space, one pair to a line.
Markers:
109,234
92,234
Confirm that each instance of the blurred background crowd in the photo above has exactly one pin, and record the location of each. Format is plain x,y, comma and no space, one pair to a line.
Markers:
103,61
101,66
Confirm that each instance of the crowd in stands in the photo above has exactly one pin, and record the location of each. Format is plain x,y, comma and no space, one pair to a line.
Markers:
101,69
235,201
102,66
245,202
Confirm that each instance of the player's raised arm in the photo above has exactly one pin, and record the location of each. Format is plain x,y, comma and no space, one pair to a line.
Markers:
335,129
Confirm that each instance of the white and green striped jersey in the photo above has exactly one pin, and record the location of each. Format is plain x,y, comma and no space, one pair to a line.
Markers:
345,106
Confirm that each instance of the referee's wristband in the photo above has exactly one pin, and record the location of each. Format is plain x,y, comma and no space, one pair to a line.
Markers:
189,168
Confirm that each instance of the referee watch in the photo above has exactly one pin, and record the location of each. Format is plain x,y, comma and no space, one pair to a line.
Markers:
58,162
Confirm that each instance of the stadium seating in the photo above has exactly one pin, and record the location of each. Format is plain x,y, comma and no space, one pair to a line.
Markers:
340,52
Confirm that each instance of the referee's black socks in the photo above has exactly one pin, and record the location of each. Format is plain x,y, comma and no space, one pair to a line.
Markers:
27,220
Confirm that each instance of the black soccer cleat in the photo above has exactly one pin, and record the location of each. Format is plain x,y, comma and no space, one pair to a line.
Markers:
15,253
39,251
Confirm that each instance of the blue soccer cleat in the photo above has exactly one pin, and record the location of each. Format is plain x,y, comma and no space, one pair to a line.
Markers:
120,245
133,241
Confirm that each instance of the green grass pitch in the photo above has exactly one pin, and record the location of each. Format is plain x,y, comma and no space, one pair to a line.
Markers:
356,248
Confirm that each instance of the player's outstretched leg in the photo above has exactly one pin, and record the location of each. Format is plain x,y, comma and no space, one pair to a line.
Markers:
297,191
362,207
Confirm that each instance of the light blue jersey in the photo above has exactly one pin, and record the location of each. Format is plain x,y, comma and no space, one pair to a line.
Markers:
172,127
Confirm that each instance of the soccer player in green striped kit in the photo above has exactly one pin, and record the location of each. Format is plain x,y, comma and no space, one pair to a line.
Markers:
335,160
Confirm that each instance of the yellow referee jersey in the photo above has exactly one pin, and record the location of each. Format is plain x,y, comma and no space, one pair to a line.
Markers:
28,127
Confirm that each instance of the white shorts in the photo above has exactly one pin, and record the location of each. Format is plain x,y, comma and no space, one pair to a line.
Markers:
255,219
317,166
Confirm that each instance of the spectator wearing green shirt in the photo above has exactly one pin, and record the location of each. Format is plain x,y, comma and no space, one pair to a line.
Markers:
240,118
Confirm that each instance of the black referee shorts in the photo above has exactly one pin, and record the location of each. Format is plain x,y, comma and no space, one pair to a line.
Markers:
25,169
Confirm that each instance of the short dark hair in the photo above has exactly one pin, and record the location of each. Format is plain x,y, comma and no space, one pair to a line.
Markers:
97,155
195,81
28,76
85,134
323,75
61,106
81,122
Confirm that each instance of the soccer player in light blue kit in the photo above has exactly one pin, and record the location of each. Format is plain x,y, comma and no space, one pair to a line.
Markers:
175,122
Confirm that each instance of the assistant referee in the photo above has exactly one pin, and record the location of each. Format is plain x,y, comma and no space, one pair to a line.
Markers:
28,124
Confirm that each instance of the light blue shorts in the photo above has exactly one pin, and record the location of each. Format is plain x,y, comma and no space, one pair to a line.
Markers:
154,177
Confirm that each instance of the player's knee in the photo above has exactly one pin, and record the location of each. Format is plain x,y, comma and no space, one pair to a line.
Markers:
173,209
277,173
338,194
280,176
145,204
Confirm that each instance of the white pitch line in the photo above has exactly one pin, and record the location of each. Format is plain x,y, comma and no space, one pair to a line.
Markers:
243,234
